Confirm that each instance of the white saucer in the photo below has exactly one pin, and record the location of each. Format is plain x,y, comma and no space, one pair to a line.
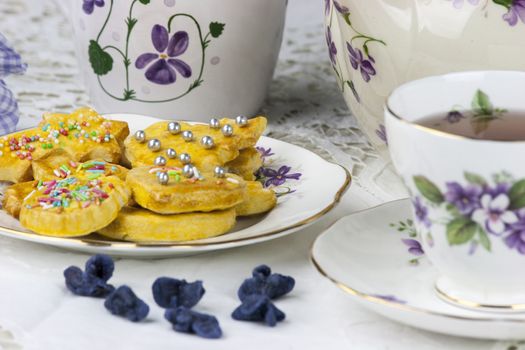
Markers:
314,194
364,255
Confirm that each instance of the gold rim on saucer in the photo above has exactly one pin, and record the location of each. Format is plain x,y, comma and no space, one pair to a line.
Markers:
404,307
471,305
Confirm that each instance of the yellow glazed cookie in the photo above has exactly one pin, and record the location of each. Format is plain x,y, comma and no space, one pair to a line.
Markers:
62,166
15,194
141,225
184,138
84,135
246,164
258,200
183,195
74,206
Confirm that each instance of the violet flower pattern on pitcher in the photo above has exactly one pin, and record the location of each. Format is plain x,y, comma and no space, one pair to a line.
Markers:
479,211
163,65
515,8
357,50
354,54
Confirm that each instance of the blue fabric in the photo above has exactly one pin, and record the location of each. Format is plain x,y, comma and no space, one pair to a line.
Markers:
10,63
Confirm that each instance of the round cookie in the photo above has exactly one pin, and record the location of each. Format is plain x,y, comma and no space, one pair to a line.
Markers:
74,206
14,195
62,166
141,225
184,195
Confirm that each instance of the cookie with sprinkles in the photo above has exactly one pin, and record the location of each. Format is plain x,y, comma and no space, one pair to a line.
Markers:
14,196
206,145
62,167
182,193
83,135
74,206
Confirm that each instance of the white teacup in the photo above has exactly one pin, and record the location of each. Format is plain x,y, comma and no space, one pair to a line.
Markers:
468,194
183,59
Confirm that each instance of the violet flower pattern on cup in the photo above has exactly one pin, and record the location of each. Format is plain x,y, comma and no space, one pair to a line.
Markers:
516,237
164,64
421,212
276,178
479,211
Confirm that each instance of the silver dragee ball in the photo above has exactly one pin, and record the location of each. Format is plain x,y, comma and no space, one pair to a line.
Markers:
219,172
174,128
163,178
187,135
187,171
207,142
215,123
140,136
154,145
241,120
185,158
171,153
227,130
160,161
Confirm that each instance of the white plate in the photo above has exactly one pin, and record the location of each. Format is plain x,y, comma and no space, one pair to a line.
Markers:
364,255
319,189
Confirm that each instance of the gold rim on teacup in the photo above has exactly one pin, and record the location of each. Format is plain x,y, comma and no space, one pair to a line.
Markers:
440,133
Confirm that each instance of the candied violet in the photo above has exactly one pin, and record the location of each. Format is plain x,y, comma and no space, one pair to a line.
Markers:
101,266
264,282
188,321
123,302
258,307
93,281
172,293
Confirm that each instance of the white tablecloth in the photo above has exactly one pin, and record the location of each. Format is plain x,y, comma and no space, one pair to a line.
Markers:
305,107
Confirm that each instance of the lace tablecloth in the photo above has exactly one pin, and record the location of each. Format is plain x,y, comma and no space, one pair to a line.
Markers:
304,106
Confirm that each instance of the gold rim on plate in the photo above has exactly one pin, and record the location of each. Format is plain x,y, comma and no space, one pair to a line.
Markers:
188,244
376,300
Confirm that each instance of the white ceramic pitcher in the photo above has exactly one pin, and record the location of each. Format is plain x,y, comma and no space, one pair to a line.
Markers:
182,59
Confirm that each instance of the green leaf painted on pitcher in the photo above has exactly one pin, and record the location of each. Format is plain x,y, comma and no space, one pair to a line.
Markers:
506,3
101,61
216,29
